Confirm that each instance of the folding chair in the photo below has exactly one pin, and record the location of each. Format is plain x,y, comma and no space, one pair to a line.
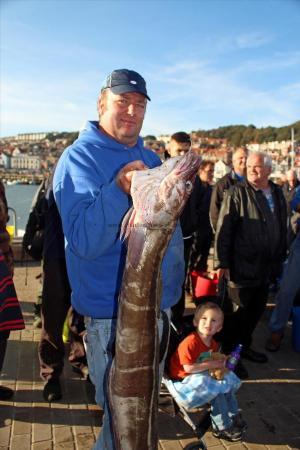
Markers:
167,389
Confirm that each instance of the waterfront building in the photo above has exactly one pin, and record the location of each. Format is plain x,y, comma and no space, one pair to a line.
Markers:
20,161
31,137
283,147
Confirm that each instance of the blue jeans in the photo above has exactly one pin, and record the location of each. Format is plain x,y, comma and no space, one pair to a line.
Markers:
223,408
99,345
288,289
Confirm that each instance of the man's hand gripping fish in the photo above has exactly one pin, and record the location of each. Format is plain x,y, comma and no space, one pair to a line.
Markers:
159,196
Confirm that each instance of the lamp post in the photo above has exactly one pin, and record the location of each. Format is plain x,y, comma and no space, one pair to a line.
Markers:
293,150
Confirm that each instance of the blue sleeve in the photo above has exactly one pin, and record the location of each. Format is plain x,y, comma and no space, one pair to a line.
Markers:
173,270
91,208
295,203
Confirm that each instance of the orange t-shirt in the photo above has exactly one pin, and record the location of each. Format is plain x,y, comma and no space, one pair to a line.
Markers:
190,351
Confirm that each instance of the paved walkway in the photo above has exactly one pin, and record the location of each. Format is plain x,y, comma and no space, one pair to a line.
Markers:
270,399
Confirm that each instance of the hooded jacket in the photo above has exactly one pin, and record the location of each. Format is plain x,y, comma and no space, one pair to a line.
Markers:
296,200
92,207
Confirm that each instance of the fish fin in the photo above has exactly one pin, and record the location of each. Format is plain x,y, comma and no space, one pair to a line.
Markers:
137,242
127,224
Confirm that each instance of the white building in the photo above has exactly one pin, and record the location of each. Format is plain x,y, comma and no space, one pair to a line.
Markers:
31,137
221,169
282,146
21,162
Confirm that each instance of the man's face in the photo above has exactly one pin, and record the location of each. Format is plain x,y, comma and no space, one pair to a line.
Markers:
178,148
207,173
122,115
239,162
158,149
257,172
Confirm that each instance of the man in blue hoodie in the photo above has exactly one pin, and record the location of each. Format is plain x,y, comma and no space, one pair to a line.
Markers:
289,287
92,190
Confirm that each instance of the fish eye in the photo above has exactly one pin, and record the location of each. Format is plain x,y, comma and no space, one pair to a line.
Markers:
189,185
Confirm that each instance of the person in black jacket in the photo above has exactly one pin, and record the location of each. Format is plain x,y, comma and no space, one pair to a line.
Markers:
237,173
200,203
180,143
250,247
56,306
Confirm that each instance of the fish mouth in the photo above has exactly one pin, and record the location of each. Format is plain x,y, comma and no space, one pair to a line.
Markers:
188,165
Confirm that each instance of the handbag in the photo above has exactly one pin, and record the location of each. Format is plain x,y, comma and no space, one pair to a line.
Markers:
203,285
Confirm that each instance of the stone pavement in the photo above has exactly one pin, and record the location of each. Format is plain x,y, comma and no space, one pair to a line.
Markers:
270,399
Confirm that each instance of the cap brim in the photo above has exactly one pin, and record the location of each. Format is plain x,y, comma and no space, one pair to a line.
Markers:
123,88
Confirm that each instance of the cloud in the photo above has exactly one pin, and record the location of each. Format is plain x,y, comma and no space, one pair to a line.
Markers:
274,62
231,43
199,95
253,39
189,94
36,106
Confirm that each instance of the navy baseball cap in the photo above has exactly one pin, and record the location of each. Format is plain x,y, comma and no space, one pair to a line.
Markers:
123,80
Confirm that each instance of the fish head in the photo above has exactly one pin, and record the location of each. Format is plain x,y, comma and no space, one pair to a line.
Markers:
159,194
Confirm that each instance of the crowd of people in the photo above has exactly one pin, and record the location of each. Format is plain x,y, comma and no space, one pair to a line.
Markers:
247,219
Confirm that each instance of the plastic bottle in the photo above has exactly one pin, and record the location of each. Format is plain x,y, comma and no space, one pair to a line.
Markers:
234,357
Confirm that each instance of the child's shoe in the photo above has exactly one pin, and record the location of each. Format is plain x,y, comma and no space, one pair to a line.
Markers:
240,423
232,434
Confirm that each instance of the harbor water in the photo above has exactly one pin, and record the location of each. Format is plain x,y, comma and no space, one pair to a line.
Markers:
19,197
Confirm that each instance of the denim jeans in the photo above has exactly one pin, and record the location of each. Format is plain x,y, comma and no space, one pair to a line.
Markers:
223,408
288,289
99,347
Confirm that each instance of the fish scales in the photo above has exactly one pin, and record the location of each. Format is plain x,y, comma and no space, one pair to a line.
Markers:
158,197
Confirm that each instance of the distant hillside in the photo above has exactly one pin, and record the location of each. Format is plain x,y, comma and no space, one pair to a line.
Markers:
241,134
235,134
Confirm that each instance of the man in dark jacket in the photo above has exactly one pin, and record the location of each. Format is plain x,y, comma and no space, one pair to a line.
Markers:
237,173
250,247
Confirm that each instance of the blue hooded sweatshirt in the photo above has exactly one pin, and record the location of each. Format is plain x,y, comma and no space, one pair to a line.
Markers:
296,200
92,207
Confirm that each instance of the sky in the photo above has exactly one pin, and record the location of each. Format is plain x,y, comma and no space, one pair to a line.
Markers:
207,63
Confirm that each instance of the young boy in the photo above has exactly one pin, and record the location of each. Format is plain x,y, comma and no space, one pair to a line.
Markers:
192,368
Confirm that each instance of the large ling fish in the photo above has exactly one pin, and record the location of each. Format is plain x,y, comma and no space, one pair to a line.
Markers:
159,196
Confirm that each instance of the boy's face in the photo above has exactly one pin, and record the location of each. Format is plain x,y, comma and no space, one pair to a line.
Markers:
178,148
210,322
